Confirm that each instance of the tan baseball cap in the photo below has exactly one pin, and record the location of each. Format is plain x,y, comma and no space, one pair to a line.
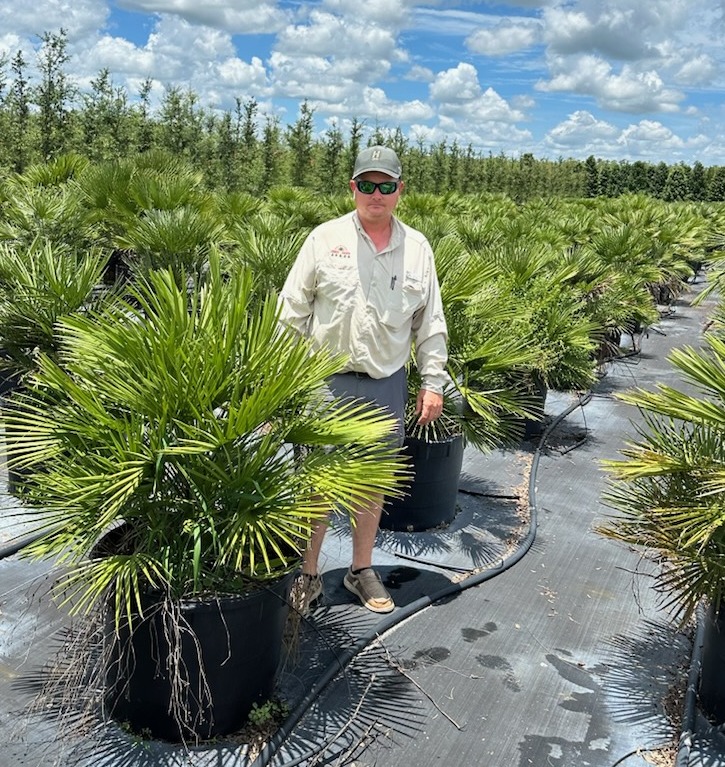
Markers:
378,158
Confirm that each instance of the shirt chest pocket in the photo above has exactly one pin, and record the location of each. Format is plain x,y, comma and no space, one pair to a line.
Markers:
404,303
336,282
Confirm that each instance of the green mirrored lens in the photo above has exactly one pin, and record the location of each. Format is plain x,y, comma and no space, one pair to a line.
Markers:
388,187
368,187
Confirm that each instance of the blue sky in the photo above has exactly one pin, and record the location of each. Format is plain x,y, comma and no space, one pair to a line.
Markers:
619,79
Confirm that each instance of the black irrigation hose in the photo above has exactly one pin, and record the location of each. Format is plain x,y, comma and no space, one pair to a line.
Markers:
340,662
14,546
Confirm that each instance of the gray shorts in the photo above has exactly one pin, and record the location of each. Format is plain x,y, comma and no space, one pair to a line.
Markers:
390,393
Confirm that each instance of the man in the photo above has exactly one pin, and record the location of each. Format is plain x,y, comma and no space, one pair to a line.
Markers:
365,284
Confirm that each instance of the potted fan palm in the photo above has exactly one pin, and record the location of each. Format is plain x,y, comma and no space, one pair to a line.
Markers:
171,498
39,284
478,407
669,497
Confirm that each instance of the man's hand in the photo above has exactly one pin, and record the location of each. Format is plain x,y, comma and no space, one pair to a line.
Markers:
428,406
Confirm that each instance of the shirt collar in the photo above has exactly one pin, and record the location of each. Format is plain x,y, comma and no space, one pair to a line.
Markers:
396,231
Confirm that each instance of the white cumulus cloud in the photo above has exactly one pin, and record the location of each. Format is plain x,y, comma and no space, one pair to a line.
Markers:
233,16
627,91
504,38
456,85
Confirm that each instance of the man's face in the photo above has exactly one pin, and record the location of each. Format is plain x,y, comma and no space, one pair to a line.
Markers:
375,207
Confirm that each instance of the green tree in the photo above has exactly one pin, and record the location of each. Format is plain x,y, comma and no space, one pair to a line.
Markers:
3,75
659,179
496,173
299,141
105,120
415,169
523,178
399,143
677,186
379,136
439,161
181,123
249,152
469,176
355,144
18,106
454,167
227,160
334,175
698,182
4,117
640,179
142,112
271,154
611,179
54,95
716,187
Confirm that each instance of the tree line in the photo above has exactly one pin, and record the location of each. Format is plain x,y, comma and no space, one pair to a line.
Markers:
244,150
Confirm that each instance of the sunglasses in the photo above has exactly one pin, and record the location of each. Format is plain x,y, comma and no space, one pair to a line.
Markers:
368,187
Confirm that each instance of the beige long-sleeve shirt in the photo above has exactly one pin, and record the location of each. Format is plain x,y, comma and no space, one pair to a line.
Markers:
373,306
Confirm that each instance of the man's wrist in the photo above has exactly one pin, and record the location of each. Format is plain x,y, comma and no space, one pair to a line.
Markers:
432,385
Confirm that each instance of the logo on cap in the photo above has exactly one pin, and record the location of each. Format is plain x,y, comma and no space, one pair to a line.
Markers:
376,154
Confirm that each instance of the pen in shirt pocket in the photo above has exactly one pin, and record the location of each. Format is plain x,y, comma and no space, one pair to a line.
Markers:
392,281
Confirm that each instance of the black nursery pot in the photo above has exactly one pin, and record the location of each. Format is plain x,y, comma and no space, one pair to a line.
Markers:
238,639
712,673
433,493
533,427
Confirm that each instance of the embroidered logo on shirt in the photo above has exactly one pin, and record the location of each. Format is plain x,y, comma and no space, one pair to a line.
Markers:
340,252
